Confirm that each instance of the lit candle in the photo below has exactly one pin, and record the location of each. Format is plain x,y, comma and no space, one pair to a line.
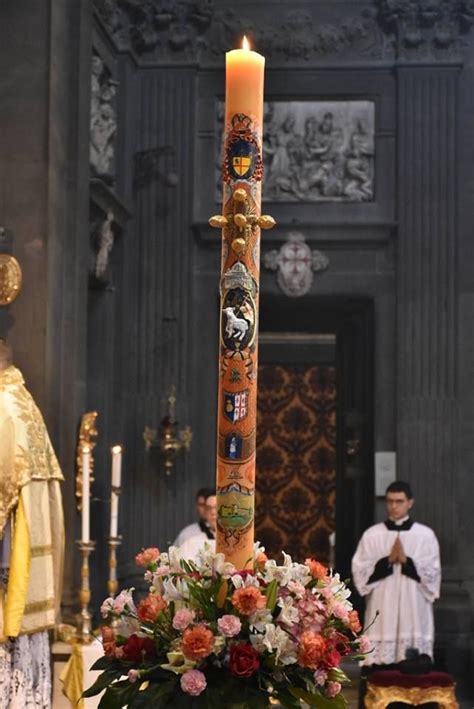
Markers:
240,223
86,497
244,84
114,496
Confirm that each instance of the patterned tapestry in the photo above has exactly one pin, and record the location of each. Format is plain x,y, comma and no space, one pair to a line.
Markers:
296,460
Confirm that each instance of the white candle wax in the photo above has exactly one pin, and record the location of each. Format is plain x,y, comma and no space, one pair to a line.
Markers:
114,498
86,474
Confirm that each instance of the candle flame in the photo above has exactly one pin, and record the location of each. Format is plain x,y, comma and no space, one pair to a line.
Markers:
245,44
116,449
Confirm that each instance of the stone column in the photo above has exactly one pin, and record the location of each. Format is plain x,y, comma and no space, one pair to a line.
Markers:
44,202
427,43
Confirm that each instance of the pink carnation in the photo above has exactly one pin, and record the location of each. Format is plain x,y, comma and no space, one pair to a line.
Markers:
340,611
147,557
296,588
320,676
133,675
106,607
364,644
333,688
122,601
162,571
193,682
229,625
183,618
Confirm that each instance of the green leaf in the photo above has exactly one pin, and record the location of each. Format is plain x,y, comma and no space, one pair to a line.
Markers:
119,694
287,700
103,663
272,590
154,696
102,682
317,700
337,675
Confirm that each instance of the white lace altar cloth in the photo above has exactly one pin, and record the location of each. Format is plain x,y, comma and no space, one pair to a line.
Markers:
25,672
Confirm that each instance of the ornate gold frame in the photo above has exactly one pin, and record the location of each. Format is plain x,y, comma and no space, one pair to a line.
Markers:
10,279
380,697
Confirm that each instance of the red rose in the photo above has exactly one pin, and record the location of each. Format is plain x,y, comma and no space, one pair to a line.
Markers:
332,658
244,573
136,649
341,643
244,661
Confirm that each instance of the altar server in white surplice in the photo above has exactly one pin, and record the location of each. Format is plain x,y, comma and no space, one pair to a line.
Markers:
397,568
207,535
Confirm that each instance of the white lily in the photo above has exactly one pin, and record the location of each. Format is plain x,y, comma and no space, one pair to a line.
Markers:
278,641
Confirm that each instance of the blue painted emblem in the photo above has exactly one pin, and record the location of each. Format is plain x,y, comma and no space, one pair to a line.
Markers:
241,159
233,446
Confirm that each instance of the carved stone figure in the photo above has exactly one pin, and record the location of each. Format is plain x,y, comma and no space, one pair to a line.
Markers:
295,264
103,122
105,243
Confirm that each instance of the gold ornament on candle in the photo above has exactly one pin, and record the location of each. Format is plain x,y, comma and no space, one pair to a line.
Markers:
84,619
240,222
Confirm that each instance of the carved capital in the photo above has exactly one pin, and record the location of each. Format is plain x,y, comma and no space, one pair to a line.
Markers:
426,29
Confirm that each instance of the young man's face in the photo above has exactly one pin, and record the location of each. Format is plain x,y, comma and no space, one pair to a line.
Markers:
398,505
201,507
211,511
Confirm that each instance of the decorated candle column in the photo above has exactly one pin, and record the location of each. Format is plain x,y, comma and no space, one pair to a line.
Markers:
240,265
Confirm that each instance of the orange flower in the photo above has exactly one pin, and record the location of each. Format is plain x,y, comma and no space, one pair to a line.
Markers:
354,622
248,600
147,557
198,642
311,649
318,570
261,560
108,640
150,607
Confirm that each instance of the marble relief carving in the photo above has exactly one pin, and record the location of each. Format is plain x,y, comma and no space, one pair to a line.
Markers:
315,151
103,122
204,29
207,29
429,29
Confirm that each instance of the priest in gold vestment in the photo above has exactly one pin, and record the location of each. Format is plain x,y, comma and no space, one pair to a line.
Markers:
32,543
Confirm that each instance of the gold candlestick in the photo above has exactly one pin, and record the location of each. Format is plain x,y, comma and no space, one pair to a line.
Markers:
84,620
112,583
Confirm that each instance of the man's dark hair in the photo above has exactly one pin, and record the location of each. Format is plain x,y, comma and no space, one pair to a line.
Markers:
205,492
400,486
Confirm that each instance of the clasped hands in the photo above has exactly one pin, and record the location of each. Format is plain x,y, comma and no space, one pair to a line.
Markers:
397,554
